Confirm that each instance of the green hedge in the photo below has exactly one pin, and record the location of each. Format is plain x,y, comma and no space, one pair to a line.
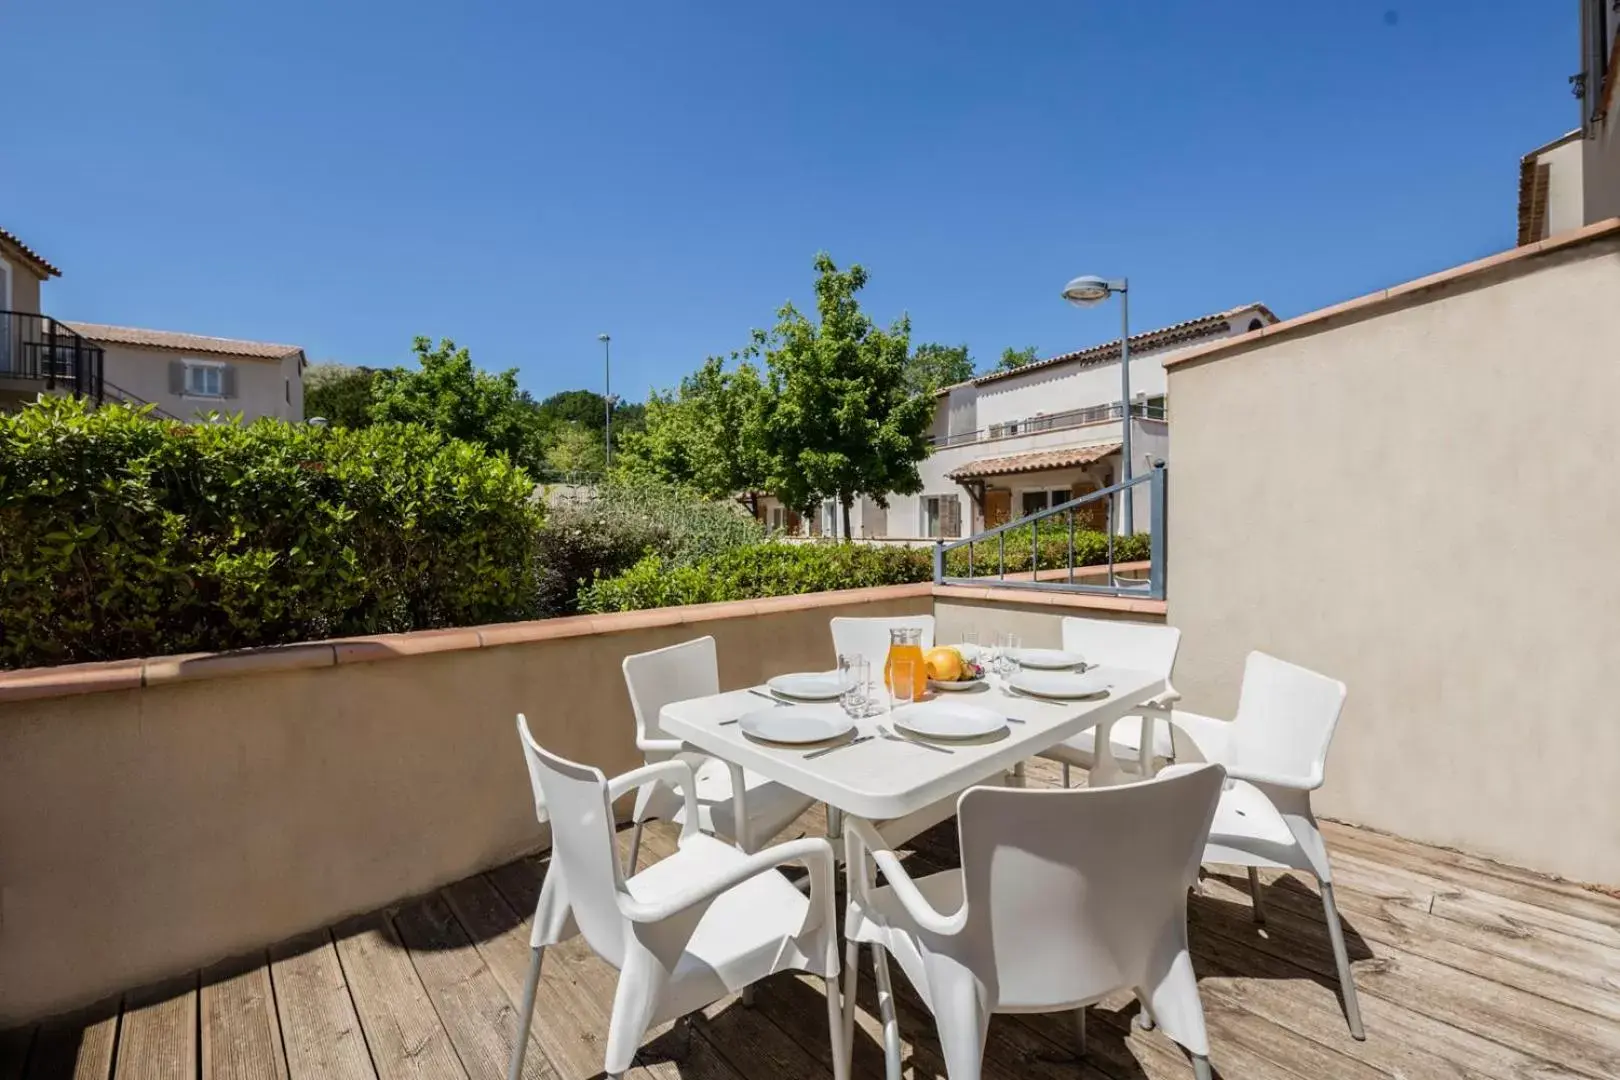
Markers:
124,536
781,569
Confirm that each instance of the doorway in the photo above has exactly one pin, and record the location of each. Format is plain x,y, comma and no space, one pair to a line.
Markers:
997,507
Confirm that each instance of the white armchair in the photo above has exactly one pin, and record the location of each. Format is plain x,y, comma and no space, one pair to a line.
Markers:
1134,748
1275,754
1063,897
731,802
705,922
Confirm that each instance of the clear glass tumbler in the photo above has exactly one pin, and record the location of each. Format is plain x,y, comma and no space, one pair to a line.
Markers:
854,677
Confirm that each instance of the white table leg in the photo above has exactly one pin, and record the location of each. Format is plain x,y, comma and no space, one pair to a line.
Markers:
1105,771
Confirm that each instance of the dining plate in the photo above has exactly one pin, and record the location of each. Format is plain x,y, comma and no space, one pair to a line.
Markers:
955,685
794,726
948,720
1047,658
808,685
1059,684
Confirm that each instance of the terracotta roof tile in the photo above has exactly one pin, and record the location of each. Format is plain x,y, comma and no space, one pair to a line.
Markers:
165,339
33,256
1033,461
1181,333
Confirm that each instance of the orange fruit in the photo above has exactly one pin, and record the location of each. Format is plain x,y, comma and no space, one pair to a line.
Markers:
944,664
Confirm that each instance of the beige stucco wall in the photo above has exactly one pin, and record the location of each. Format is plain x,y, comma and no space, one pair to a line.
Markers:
24,285
148,830
1601,183
260,390
1422,504
1039,625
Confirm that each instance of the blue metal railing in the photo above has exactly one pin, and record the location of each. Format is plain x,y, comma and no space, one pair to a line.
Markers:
1152,587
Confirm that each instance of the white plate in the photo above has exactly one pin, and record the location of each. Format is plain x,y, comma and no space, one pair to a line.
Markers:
808,685
794,725
1048,658
1059,684
949,720
957,686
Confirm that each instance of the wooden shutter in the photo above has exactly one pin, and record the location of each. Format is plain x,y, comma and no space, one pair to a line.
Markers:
227,381
177,377
951,519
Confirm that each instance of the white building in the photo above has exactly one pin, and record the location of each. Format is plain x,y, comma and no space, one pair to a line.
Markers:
1013,442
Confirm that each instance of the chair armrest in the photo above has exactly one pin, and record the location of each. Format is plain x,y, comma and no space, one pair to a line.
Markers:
675,772
1264,780
1212,737
661,746
862,839
1162,703
814,853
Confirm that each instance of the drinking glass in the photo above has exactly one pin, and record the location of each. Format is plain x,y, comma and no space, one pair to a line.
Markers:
970,638
902,684
1006,657
854,673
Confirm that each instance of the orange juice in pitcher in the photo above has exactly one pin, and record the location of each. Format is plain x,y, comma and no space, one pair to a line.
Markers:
905,647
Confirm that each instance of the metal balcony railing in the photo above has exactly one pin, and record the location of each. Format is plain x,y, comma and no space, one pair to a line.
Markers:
34,346
1058,421
1049,569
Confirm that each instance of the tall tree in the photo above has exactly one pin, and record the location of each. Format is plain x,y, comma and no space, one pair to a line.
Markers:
447,393
339,394
709,435
574,451
934,366
843,420
1016,358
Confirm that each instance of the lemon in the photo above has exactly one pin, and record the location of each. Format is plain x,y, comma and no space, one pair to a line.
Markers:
944,664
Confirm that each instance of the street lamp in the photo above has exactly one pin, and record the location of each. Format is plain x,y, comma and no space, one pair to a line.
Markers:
1086,292
607,400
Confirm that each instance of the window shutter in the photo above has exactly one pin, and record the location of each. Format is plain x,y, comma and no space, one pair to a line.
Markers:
953,517
227,381
177,377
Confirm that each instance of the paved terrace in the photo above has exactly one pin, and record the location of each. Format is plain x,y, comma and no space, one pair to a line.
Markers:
1466,968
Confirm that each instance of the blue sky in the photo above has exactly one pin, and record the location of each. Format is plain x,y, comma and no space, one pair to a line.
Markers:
522,177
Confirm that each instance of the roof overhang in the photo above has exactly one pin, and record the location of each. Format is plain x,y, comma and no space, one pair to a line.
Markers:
35,262
1066,457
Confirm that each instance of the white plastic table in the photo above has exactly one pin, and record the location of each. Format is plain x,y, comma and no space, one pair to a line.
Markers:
880,779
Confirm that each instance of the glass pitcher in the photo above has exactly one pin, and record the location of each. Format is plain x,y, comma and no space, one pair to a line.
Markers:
905,645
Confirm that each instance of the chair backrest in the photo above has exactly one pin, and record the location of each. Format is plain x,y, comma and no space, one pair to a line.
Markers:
676,673
575,798
870,637
1285,720
1139,646
1074,893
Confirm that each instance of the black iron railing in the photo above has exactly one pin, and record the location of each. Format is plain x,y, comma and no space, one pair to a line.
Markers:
34,346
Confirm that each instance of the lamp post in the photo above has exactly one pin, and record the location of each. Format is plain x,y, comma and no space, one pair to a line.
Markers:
1086,292
607,400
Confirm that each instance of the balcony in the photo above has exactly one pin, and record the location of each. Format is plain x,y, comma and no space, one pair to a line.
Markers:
1058,421
37,349
187,841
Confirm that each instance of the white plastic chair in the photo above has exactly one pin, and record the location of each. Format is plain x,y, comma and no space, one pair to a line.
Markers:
692,928
732,803
869,638
1064,896
1275,752
1136,748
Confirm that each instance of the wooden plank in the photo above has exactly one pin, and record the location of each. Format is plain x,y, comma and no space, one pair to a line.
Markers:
319,1027
1576,973
1541,1028
1499,914
1486,875
481,1020
241,1037
403,1032
157,1037
78,1047
14,1047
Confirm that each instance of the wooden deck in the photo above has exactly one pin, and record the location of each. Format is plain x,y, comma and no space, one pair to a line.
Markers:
1467,969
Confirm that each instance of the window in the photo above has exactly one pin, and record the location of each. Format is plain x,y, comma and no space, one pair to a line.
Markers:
778,519
942,516
1035,501
205,379
1155,407
829,518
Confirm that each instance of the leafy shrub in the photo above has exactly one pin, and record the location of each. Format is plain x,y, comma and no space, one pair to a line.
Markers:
774,568
625,520
123,536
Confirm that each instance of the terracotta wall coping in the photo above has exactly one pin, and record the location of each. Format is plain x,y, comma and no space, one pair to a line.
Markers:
1520,258
69,680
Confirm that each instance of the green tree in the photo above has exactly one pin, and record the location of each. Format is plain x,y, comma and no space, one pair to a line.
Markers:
339,393
447,394
934,366
1012,358
574,451
843,420
708,436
